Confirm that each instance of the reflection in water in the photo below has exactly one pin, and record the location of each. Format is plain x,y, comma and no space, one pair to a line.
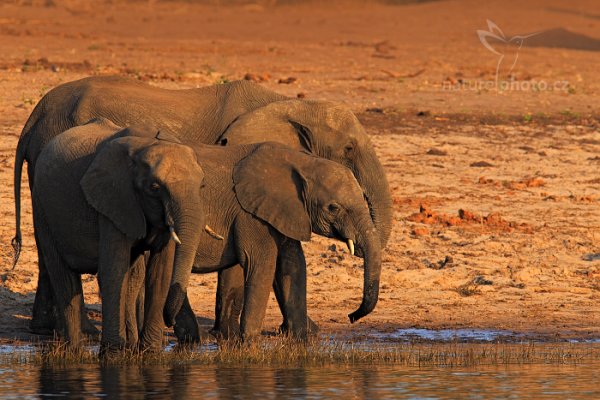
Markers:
234,382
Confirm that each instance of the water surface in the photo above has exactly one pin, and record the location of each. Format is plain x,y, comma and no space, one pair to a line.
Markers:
256,382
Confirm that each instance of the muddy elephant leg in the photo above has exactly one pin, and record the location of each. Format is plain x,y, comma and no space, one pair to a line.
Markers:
290,288
230,299
186,326
158,278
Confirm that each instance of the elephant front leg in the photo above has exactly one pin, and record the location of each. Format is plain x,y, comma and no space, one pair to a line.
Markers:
113,265
230,299
158,278
290,288
258,256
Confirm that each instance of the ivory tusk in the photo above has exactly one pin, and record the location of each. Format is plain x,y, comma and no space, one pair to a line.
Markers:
212,233
174,235
350,244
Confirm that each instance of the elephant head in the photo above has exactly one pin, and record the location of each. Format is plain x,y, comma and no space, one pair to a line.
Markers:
146,183
298,193
328,130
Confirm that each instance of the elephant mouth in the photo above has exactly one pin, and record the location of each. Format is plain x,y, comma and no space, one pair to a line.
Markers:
354,248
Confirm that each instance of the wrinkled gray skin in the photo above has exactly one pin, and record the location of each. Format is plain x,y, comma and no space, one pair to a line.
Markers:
264,199
233,113
103,197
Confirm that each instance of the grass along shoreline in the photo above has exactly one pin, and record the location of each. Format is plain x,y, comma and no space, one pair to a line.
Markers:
287,353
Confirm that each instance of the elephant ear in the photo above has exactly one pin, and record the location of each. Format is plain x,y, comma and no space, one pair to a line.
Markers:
269,185
108,187
269,123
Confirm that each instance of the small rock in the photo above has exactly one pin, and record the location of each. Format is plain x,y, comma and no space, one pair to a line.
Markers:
333,247
448,235
287,80
301,95
423,114
480,280
437,152
446,262
481,164
420,231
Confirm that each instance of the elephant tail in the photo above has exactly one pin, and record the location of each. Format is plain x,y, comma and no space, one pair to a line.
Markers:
18,171
20,158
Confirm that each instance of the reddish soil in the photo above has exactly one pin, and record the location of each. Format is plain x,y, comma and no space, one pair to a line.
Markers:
495,184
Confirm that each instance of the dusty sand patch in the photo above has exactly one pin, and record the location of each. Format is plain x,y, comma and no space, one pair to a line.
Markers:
523,158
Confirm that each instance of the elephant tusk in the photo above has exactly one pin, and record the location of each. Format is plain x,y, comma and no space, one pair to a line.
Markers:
174,235
212,233
350,244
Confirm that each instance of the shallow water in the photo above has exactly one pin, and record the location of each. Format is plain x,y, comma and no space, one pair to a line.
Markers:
199,381
446,335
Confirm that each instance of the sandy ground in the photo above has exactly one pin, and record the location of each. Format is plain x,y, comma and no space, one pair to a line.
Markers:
495,192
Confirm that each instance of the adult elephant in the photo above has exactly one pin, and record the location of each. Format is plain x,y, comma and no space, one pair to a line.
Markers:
103,197
237,112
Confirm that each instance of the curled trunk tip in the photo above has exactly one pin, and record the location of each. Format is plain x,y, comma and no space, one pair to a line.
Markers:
173,304
368,304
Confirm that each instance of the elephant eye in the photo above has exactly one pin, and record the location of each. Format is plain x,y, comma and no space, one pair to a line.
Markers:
349,149
333,208
154,187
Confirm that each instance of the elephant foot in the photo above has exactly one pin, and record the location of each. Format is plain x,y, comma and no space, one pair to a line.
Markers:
108,350
41,329
88,328
229,330
311,326
185,335
149,350
42,323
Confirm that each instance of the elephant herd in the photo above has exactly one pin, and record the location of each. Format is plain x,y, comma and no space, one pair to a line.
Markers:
144,186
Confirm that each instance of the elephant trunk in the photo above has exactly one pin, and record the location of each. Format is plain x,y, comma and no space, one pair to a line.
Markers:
372,179
369,243
188,225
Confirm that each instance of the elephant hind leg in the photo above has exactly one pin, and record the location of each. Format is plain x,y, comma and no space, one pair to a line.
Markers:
43,314
66,287
134,282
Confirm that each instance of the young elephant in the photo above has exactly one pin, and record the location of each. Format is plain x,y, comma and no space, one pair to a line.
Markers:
104,196
262,200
